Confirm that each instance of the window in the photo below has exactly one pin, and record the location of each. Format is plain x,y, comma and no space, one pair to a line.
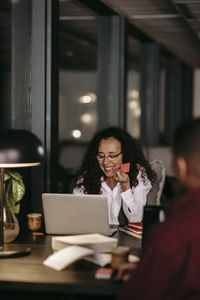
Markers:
77,87
133,87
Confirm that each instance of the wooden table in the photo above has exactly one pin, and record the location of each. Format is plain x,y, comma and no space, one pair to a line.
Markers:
28,277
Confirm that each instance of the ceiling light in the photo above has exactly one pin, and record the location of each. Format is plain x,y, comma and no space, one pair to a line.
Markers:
76,133
133,104
134,94
161,16
86,118
85,99
137,112
91,97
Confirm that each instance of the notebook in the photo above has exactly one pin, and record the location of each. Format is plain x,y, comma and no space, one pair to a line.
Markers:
75,214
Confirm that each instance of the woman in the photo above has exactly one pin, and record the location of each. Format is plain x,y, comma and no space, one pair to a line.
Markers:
100,173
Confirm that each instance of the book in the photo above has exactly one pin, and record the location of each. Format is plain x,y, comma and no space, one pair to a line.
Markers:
100,259
61,259
66,256
95,241
133,228
130,232
104,273
93,247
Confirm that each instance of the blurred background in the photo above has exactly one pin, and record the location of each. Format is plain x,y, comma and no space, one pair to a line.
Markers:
69,68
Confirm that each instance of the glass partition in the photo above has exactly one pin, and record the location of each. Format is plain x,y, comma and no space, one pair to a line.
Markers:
5,61
133,87
77,87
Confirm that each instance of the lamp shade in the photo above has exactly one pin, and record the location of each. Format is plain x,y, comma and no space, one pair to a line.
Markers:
20,148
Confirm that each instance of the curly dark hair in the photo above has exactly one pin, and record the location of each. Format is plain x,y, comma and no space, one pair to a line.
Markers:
90,174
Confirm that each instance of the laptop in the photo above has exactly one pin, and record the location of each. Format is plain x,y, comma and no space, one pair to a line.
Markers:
75,214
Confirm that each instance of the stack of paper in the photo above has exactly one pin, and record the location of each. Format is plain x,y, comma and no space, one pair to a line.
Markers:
133,228
68,249
95,241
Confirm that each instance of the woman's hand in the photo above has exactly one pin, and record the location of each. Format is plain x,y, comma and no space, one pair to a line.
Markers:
124,180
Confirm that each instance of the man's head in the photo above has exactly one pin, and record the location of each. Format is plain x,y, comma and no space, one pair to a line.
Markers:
186,153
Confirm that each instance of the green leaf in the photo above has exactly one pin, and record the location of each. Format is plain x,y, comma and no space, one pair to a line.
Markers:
18,190
6,175
14,188
16,176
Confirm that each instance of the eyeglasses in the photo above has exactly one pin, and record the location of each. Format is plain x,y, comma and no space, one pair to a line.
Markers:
109,156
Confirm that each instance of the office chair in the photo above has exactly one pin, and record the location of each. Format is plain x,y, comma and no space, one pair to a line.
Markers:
154,195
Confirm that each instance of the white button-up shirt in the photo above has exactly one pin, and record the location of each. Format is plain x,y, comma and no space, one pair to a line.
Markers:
133,200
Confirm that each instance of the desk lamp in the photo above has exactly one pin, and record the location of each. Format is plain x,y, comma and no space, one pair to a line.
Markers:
18,148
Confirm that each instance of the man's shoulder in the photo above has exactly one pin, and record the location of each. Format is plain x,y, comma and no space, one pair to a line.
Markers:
177,229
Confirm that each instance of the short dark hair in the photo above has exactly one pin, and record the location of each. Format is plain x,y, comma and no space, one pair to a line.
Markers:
186,141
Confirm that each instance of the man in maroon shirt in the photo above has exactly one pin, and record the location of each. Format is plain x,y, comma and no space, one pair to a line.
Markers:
170,264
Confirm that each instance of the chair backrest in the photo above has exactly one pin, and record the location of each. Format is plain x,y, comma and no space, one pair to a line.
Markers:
162,153
154,195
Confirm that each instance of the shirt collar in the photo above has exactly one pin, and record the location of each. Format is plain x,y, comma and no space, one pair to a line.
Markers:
106,187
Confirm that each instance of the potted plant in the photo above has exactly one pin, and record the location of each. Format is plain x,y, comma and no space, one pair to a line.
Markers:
14,191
